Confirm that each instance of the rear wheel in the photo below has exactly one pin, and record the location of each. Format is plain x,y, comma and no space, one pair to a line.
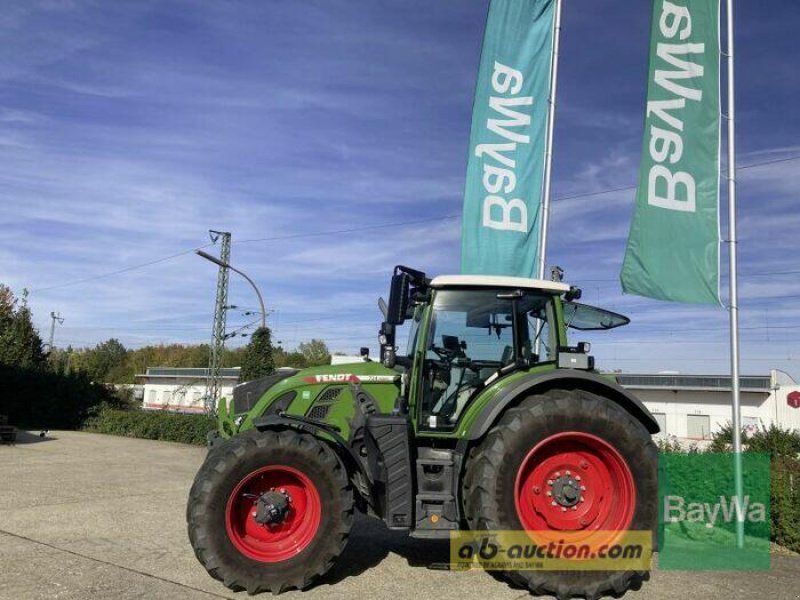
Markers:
270,511
565,461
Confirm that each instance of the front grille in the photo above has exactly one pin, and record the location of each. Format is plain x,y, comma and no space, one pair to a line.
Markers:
328,395
322,403
318,413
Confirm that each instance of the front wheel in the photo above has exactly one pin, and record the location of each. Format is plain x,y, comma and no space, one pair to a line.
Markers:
565,461
270,511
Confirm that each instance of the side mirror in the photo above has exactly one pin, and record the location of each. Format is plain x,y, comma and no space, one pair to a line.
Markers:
398,299
386,340
382,307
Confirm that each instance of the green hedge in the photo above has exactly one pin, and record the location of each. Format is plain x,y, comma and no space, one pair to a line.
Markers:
783,446
152,425
39,399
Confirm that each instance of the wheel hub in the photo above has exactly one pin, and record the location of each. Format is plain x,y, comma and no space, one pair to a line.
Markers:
566,490
273,513
272,507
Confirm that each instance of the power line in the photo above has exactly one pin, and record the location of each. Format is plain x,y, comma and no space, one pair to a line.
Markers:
628,188
118,271
349,230
373,227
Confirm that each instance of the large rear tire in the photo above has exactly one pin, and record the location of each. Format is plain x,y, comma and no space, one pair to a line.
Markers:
270,511
546,441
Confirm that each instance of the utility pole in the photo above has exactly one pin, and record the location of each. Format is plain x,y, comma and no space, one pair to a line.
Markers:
55,317
548,161
733,280
213,380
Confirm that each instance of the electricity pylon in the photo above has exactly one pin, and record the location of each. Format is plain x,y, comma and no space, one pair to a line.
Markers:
57,318
213,379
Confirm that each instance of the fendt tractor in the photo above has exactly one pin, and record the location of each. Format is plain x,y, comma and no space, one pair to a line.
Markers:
489,420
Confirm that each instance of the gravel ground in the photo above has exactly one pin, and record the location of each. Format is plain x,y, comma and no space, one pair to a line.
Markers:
91,515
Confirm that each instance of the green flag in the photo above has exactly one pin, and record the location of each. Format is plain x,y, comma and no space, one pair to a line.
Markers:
673,246
503,192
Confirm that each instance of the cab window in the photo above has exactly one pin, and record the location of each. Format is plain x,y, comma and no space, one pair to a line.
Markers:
473,334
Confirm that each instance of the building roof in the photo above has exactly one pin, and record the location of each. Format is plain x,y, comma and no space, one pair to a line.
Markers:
190,372
705,383
498,281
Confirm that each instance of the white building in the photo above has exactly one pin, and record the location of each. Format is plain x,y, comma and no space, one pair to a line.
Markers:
182,389
346,359
693,407
689,407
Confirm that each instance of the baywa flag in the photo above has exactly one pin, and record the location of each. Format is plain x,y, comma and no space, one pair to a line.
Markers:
502,197
673,246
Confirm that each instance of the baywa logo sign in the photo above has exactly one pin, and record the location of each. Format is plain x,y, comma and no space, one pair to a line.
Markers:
699,511
727,510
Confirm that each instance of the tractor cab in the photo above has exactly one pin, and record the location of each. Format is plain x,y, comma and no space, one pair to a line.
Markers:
468,331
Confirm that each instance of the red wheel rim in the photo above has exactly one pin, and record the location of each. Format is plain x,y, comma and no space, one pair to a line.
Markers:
279,541
575,482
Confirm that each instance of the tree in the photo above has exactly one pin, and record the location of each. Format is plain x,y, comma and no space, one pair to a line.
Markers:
257,359
315,352
20,344
58,360
105,362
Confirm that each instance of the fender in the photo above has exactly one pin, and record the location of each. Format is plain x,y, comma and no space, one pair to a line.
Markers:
569,379
355,467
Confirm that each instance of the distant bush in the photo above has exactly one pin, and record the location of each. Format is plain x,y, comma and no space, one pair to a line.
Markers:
671,445
785,502
152,425
783,446
34,398
772,440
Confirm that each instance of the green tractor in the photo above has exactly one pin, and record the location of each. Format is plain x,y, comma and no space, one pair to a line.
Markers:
489,420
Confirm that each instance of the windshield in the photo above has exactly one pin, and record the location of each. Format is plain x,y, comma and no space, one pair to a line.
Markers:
590,318
473,334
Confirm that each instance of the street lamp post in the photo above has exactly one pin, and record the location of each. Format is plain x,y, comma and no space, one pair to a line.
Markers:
217,261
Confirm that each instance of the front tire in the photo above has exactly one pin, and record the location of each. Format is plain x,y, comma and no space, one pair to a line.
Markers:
537,448
270,511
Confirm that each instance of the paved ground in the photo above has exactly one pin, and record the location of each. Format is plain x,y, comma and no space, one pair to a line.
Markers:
89,515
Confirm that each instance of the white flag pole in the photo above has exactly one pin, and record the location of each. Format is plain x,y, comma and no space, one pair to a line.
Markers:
548,157
734,294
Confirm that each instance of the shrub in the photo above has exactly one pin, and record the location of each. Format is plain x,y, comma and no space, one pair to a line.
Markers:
671,445
722,440
39,399
772,440
785,502
783,446
776,441
152,425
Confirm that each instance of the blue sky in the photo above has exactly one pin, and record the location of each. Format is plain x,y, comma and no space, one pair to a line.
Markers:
128,129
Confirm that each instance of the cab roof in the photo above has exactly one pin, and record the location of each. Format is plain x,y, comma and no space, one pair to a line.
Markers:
495,281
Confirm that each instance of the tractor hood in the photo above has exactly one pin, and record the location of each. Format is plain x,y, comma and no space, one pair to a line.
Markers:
359,372
247,395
